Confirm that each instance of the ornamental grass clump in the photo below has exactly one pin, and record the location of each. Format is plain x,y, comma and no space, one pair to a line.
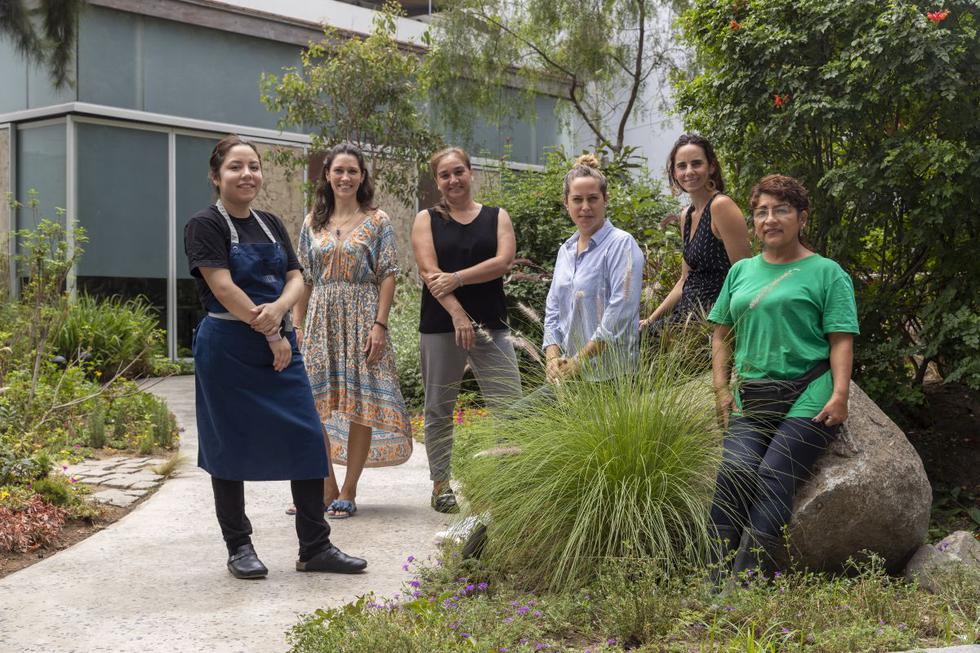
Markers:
616,470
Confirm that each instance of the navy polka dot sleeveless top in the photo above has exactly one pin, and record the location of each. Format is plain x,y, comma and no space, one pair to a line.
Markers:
707,263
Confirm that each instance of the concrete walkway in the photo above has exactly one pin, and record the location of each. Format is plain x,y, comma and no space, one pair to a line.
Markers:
156,579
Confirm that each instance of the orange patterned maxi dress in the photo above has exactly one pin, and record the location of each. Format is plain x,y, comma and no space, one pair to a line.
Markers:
346,276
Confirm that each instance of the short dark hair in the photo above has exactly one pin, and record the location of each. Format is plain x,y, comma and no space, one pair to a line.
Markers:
221,150
324,201
709,153
784,188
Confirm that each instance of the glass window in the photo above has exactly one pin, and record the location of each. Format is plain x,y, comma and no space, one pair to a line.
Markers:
40,167
13,78
208,74
193,194
122,203
109,56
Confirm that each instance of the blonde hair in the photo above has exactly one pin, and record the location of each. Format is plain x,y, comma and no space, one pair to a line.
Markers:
586,165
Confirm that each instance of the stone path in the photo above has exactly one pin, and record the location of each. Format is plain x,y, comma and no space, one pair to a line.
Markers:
156,579
119,481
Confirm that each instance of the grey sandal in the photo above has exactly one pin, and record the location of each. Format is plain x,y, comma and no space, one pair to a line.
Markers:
445,501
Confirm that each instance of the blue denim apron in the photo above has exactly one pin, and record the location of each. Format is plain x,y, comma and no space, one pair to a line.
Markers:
253,423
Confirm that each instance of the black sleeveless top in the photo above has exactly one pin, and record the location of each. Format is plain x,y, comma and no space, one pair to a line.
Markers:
459,246
707,263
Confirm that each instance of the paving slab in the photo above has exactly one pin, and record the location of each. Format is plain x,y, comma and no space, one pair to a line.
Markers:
116,497
156,579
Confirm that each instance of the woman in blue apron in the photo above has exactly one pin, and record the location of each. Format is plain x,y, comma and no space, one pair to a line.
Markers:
256,420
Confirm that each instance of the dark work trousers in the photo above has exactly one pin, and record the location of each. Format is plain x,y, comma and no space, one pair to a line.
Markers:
763,464
312,530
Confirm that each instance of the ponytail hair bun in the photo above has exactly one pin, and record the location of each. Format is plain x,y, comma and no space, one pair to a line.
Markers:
588,160
586,165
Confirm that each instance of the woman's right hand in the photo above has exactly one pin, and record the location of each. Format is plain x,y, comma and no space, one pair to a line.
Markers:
282,354
724,404
465,335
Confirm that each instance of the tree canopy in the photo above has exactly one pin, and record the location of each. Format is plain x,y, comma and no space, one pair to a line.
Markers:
597,56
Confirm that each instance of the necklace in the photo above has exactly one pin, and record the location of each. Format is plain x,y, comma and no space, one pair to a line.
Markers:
339,229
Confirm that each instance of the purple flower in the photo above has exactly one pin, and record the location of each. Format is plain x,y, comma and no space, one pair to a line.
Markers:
405,567
482,586
470,587
507,620
464,635
504,649
415,584
537,613
611,641
786,631
523,610
411,558
777,574
515,603
539,646
416,594
902,626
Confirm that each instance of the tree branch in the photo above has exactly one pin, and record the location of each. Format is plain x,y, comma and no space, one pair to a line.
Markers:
637,79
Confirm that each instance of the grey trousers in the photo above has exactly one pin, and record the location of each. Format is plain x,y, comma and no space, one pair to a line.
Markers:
494,365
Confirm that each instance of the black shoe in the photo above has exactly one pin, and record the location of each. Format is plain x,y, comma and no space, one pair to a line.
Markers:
244,563
332,559
758,552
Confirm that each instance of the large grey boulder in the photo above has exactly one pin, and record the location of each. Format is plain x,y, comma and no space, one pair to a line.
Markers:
869,492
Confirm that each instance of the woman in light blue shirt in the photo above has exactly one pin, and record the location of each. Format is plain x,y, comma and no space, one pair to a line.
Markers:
592,314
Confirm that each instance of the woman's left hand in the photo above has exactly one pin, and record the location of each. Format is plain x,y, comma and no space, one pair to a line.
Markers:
266,318
834,412
442,283
375,345
568,367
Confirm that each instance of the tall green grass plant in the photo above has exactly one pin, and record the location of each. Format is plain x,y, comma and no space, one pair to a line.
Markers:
616,470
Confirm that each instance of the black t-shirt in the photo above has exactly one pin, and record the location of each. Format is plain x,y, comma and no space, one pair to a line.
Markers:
207,242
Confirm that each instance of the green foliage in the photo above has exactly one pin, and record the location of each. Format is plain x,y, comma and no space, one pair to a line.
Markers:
455,606
54,47
113,335
95,428
876,108
622,469
363,91
598,56
403,327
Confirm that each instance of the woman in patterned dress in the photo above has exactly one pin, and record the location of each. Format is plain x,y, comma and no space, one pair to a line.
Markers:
347,250
715,233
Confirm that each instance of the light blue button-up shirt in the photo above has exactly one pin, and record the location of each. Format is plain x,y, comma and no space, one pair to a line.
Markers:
595,295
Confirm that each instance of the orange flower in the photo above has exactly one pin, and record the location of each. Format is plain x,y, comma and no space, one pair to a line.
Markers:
734,24
779,100
937,16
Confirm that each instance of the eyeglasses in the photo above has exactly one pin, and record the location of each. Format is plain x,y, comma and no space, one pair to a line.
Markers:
779,211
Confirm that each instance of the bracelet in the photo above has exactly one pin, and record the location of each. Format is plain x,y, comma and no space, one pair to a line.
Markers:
459,279
381,324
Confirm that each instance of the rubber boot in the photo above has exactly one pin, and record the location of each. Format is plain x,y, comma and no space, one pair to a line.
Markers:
761,553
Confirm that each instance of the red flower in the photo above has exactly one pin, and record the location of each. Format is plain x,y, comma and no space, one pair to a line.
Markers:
780,100
734,24
937,16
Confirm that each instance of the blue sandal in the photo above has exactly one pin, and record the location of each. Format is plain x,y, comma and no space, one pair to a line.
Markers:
341,509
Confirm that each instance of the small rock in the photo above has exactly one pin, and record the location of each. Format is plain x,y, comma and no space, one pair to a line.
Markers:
956,551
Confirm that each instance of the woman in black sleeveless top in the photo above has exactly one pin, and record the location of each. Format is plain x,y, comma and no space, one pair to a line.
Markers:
715,233
462,249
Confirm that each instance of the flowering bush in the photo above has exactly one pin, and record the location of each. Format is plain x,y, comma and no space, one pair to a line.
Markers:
875,107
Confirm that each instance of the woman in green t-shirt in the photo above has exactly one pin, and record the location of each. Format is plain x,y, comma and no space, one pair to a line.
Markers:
793,318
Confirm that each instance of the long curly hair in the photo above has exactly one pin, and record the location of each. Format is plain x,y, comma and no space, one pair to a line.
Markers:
709,153
324,201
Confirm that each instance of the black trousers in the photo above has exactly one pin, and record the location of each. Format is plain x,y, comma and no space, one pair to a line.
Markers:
763,464
311,528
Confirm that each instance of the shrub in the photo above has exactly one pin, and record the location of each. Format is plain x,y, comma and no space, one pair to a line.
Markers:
403,326
622,469
114,335
95,428
874,106
36,526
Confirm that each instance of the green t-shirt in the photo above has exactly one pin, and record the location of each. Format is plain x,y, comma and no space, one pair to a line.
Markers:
781,314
